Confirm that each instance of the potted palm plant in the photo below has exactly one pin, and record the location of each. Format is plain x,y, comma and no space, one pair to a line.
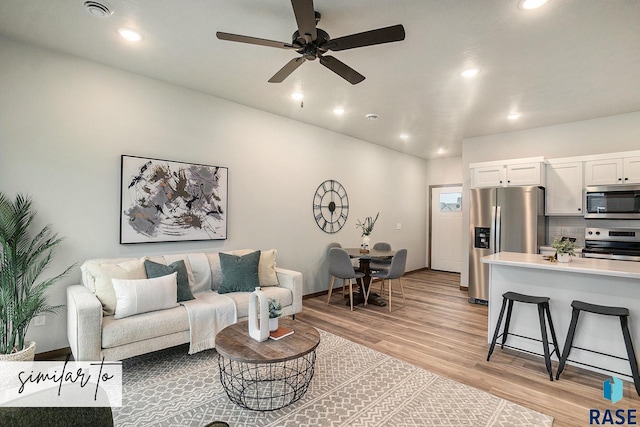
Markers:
23,257
565,249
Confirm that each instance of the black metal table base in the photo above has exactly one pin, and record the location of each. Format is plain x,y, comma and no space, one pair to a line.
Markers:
267,386
374,299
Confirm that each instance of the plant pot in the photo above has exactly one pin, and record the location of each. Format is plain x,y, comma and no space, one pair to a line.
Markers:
27,354
366,242
273,324
563,257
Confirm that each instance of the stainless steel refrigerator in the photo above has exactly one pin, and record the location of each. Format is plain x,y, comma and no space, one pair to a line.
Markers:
509,219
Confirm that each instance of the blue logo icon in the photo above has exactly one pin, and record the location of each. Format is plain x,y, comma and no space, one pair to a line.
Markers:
612,389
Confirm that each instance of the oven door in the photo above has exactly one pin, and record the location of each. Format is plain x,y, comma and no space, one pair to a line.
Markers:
625,251
619,202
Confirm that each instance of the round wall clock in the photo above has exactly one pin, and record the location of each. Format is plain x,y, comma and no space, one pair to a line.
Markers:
330,206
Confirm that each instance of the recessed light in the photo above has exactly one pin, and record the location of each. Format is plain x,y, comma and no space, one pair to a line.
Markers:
297,96
441,151
470,72
372,116
404,136
531,4
129,34
513,116
338,111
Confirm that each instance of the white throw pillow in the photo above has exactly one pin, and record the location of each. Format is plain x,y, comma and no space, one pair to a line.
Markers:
104,273
142,296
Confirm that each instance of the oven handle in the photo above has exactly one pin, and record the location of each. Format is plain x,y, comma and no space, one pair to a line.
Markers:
610,256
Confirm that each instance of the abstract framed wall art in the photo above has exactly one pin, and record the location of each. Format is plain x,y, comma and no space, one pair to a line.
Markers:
166,201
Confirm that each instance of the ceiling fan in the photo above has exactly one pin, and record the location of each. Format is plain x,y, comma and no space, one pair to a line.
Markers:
312,42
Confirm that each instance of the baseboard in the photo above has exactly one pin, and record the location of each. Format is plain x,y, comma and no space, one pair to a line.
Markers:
59,354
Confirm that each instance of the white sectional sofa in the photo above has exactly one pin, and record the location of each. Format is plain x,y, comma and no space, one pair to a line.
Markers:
95,333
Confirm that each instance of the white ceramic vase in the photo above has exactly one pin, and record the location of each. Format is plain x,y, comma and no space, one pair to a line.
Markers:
563,257
273,324
258,316
366,242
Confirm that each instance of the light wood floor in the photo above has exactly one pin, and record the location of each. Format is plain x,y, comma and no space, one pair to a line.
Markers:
440,331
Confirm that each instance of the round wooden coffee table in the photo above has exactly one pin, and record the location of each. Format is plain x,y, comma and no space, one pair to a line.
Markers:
269,375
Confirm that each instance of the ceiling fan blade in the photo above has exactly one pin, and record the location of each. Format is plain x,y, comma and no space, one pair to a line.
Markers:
341,69
394,33
253,40
289,68
306,19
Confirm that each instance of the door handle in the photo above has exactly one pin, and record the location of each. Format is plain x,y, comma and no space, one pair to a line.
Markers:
498,220
492,232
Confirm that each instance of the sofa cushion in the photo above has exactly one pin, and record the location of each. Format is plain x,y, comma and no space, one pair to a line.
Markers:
117,332
239,273
103,273
144,295
266,267
155,269
283,295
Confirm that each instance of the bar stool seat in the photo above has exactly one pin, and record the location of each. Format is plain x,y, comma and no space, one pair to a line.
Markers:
544,315
623,314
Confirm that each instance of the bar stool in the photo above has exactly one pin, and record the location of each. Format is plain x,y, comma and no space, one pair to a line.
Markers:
543,310
623,315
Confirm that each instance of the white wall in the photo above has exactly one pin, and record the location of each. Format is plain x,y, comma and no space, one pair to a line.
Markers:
65,122
596,136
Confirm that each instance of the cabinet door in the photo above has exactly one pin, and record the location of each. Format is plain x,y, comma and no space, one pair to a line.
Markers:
489,176
524,174
631,170
603,172
564,189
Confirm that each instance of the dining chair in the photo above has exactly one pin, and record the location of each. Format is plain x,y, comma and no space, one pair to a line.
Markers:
336,245
381,264
340,267
396,271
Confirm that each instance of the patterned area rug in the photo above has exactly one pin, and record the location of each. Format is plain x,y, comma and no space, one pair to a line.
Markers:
353,386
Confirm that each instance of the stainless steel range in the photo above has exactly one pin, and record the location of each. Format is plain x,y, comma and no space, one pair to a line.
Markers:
612,243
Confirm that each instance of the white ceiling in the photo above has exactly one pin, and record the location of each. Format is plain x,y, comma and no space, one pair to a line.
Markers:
569,60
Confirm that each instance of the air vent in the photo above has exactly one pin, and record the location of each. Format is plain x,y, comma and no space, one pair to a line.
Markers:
98,10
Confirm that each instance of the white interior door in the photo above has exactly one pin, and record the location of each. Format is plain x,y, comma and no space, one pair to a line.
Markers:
446,229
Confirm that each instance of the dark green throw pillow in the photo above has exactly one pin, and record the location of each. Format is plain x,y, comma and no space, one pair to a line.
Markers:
239,273
158,270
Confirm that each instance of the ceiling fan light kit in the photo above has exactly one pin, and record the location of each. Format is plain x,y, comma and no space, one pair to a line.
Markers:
313,43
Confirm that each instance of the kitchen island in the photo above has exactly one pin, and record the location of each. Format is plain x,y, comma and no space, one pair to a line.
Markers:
596,281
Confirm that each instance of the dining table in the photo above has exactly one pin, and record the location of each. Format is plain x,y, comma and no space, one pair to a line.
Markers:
364,259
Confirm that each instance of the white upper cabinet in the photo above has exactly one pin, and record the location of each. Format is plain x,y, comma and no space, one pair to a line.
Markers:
564,189
631,169
623,170
525,174
603,172
488,176
508,173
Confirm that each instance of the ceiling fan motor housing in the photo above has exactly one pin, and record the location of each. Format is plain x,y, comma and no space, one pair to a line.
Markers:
311,50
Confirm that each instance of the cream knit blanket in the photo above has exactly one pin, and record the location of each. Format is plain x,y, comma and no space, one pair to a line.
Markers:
208,314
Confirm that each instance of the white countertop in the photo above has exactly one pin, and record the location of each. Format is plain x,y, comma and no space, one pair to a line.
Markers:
603,267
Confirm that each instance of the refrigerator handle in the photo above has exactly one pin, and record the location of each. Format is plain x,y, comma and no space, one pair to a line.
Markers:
497,226
492,231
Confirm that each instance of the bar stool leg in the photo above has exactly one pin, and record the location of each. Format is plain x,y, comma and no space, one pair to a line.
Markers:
631,354
545,340
497,331
568,342
505,331
553,331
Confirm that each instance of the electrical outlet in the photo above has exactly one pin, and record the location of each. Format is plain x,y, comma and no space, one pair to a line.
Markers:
398,226
39,320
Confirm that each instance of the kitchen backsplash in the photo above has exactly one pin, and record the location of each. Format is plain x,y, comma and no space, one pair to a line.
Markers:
574,226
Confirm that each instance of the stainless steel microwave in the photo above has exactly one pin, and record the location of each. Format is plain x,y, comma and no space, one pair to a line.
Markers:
612,202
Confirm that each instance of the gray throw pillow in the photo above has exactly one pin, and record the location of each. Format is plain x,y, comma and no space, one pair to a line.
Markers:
239,273
158,270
